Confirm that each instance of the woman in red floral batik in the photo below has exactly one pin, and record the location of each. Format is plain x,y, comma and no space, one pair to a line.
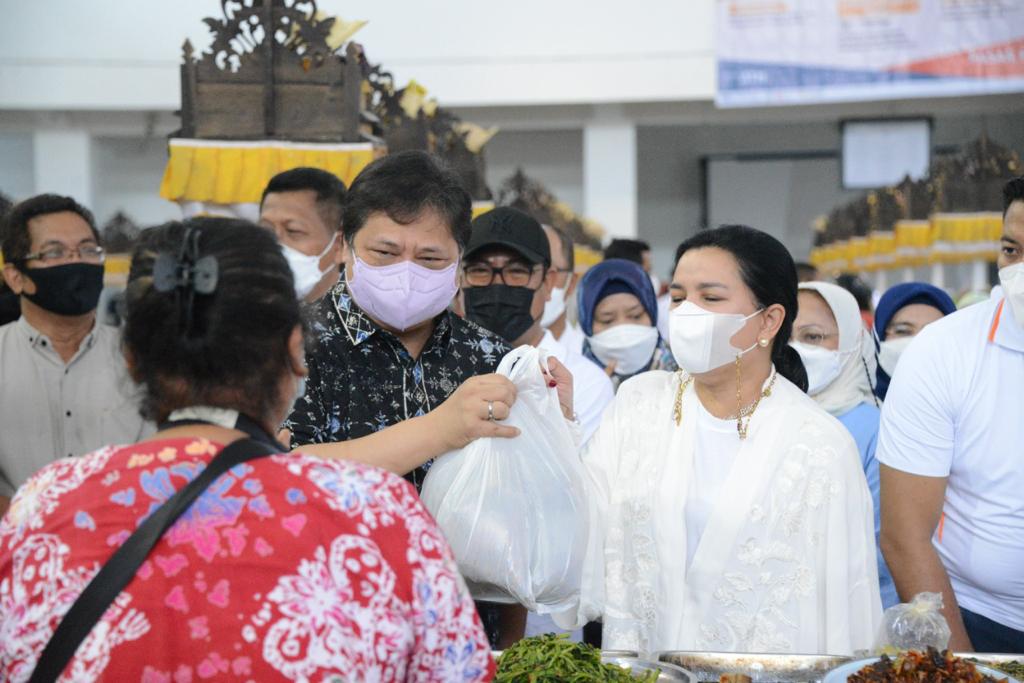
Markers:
288,567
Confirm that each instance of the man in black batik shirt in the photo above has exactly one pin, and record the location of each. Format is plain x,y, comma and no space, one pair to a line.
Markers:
384,346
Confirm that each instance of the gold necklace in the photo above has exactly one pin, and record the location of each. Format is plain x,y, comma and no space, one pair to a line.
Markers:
678,411
747,412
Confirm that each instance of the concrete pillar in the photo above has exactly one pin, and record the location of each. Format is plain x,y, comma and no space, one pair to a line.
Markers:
609,173
979,276
63,164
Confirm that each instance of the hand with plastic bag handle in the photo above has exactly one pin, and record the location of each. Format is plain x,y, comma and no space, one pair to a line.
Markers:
514,510
915,625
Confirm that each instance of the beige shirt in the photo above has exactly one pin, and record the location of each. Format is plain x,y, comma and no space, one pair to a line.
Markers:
49,409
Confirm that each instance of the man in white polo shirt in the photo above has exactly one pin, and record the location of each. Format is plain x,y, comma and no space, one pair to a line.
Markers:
952,453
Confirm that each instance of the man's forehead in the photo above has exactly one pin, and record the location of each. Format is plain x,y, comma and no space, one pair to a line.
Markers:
293,200
63,226
498,255
555,243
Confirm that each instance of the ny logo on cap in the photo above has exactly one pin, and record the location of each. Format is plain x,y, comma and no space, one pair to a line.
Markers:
504,225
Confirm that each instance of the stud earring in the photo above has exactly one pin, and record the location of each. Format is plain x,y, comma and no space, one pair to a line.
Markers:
763,343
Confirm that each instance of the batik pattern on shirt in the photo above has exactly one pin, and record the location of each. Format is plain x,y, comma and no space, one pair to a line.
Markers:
286,568
362,379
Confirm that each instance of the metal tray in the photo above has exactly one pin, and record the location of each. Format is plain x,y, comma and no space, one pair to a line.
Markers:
666,671
762,668
629,660
842,674
989,658
604,653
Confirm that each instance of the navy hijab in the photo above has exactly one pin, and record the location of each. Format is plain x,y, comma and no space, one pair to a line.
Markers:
614,276
890,304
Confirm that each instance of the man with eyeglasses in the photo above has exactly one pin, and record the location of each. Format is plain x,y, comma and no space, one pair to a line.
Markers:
64,384
507,278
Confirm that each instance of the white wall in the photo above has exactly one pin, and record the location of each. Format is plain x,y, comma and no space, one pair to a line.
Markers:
553,157
126,177
781,197
124,54
17,166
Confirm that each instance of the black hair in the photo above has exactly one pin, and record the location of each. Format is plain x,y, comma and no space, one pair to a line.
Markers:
235,351
858,288
806,271
568,248
16,238
403,186
630,250
1013,191
330,191
767,269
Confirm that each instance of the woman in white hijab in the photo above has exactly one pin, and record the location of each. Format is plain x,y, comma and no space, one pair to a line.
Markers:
838,353
731,512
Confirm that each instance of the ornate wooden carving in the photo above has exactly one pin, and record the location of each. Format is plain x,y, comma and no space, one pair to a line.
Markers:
270,73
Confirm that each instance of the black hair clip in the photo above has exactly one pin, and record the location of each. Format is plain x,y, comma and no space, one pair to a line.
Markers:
186,273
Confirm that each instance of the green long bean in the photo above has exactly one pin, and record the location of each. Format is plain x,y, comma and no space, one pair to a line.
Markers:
554,658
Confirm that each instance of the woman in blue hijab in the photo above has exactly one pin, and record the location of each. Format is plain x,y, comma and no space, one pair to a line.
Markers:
902,312
618,314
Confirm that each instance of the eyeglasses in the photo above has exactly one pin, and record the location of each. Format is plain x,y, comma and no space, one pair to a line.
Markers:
563,271
511,274
813,336
90,253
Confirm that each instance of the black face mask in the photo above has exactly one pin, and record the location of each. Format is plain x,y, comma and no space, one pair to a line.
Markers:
70,289
503,310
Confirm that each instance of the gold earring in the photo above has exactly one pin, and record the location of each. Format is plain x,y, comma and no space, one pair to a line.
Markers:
763,343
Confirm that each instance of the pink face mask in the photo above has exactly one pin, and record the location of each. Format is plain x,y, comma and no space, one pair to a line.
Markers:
403,294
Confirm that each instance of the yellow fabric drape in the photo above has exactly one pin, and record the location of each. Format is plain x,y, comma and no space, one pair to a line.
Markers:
481,207
237,173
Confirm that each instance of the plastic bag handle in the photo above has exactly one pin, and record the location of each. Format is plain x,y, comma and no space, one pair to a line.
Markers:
513,367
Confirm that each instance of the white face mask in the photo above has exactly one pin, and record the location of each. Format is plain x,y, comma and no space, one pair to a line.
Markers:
701,340
822,365
306,269
889,353
1012,280
630,347
554,308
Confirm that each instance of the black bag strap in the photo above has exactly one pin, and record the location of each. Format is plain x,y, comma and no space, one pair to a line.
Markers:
120,569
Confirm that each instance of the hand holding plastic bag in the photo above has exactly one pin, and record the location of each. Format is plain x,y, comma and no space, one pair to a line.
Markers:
916,625
514,510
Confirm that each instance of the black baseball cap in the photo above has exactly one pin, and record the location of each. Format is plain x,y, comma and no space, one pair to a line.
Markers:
511,228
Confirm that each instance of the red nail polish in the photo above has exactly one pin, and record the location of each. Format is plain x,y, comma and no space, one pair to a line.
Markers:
552,384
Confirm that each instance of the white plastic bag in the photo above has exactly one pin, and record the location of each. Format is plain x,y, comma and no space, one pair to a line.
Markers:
916,625
514,510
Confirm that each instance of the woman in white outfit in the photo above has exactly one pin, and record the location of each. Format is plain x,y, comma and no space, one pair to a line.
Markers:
733,511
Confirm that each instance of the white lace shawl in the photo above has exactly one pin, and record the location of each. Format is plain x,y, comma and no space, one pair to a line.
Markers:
787,562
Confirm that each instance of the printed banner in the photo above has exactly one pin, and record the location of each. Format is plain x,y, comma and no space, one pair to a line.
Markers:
777,52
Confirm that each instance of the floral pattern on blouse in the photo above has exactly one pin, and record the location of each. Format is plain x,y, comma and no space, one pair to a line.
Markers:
286,568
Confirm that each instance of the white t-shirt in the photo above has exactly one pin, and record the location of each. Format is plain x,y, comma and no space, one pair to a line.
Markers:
955,409
716,443
592,389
